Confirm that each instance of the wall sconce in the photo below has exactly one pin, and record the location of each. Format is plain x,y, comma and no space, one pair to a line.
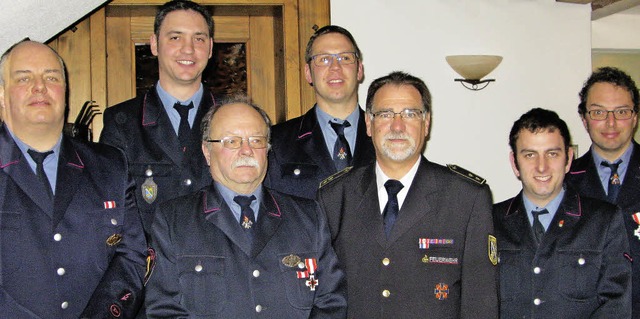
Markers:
473,68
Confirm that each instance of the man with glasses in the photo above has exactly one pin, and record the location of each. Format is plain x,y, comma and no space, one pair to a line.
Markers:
415,238
610,170
330,136
236,249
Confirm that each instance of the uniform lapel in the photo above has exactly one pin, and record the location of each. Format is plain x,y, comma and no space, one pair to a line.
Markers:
312,142
13,163
567,216
219,214
157,126
516,224
368,209
269,220
630,189
586,173
423,198
70,169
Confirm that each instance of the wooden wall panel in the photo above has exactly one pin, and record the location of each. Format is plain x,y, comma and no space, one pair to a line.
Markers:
98,67
260,67
120,51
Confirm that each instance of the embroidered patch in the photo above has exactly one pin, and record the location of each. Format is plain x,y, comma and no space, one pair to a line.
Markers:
439,260
493,250
441,291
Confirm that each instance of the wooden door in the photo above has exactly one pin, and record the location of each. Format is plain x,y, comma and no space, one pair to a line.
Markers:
100,50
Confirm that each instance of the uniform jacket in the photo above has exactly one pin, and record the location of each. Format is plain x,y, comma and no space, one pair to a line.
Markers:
579,270
299,159
85,253
142,129
207,268
583,176
396,277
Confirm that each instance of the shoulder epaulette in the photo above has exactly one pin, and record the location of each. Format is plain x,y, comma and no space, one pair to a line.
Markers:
466,174
335,176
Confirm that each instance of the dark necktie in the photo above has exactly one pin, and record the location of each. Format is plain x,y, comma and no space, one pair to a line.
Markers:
538,229
390,212
341,150
39,157
614,180
247,216
184,130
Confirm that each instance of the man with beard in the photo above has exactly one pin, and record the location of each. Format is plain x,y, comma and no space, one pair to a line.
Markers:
415,238
610,170
331,135
237,249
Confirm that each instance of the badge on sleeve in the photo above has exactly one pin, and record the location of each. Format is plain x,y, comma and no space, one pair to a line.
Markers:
493,250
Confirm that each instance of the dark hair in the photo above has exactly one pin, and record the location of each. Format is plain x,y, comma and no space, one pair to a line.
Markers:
182,5
400,78
331,29
538,120
611,75
240,98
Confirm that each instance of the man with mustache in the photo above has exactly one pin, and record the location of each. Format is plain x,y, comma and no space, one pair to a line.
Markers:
331,135
415,238
610,170
236,249
71,239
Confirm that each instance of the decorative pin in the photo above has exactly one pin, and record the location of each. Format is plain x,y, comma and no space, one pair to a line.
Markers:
441,291
636,218
114,239
424,243
246,222
561,223
312,265
615,180
291,260
312,282
342,154
149,190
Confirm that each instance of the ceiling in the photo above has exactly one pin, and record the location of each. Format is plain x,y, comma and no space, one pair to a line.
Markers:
603,8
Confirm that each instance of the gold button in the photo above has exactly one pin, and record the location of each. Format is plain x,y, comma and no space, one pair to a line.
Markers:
386,261
386,293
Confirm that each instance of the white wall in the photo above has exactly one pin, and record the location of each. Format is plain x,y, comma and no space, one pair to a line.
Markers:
547,56
618,31
38,19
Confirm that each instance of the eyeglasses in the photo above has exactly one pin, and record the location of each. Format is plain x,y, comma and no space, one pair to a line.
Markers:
235,142
326,59
406,114
618,114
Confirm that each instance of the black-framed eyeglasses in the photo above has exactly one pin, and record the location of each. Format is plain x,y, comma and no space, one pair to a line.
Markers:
235,142
618,114
325,59
406,114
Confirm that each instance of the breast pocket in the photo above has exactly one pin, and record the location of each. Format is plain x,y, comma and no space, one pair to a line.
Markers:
298,170
108,228
579,271
510,277
10,245
299,281
202,282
